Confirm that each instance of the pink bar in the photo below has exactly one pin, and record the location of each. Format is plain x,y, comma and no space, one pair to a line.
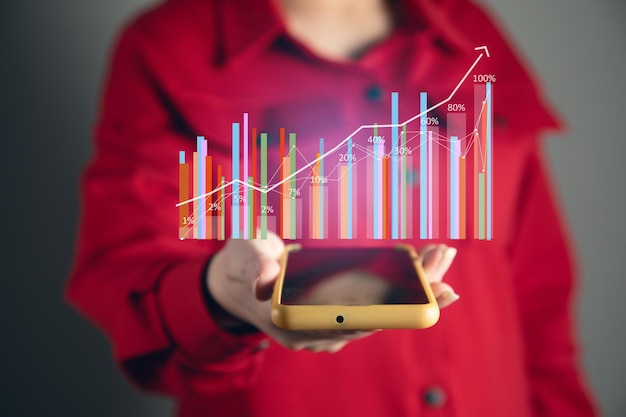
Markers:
343,201
436,183
299,218
410,188
285,215
369,185
430,184
244,208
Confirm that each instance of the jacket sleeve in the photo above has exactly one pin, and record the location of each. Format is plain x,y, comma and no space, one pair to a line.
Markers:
132,276
545,283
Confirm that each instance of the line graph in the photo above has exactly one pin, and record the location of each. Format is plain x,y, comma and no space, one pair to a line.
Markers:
385,180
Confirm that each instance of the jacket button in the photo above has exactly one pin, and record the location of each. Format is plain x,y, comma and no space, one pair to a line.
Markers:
374,93
434,397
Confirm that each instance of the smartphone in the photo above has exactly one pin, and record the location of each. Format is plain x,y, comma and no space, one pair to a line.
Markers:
352,289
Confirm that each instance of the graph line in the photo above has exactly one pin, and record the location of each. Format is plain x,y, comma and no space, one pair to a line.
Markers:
347,138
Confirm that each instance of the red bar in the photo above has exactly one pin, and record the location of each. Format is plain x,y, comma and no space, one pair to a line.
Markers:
220,230
183,194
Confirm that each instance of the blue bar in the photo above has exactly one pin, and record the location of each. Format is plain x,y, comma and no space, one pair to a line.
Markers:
489,160
181,157
377,196
394,166
350,194
322,188
235,206
423,163
200,215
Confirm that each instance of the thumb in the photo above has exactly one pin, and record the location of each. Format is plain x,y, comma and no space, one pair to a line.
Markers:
268,272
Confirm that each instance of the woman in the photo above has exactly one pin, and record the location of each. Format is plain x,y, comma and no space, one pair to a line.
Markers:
191,318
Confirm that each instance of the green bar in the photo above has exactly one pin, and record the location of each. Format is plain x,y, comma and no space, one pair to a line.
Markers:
263,184
292,184
481,205
403,185
250,210
375,129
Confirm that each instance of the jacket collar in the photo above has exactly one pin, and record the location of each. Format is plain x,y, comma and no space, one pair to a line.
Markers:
248,27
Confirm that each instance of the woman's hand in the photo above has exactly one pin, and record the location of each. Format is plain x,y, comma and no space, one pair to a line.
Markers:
242,275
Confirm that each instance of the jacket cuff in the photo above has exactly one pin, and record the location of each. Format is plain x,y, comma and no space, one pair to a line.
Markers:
187,319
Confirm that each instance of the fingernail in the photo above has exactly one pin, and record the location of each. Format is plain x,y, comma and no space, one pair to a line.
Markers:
450,253
450,296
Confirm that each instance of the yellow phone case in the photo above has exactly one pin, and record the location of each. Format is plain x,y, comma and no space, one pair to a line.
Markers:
354,317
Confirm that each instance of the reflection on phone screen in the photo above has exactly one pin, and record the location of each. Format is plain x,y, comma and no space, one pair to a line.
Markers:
337,276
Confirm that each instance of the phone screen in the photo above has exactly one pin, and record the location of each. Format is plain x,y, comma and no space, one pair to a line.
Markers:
364,276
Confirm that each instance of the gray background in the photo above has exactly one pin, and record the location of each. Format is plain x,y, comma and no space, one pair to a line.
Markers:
52,57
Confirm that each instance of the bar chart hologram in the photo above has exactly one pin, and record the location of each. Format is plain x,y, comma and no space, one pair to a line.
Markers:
427,177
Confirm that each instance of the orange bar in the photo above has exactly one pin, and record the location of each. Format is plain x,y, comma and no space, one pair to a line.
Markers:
254,181
183,194
462,199
220,229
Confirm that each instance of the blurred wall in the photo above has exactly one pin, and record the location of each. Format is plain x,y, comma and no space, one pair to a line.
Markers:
578,48
53,54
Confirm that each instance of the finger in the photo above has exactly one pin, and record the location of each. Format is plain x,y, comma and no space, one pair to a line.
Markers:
446,261
272,246
431,258
444,294
425,249
437,262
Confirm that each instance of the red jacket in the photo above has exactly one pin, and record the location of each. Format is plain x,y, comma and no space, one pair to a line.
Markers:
191,67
